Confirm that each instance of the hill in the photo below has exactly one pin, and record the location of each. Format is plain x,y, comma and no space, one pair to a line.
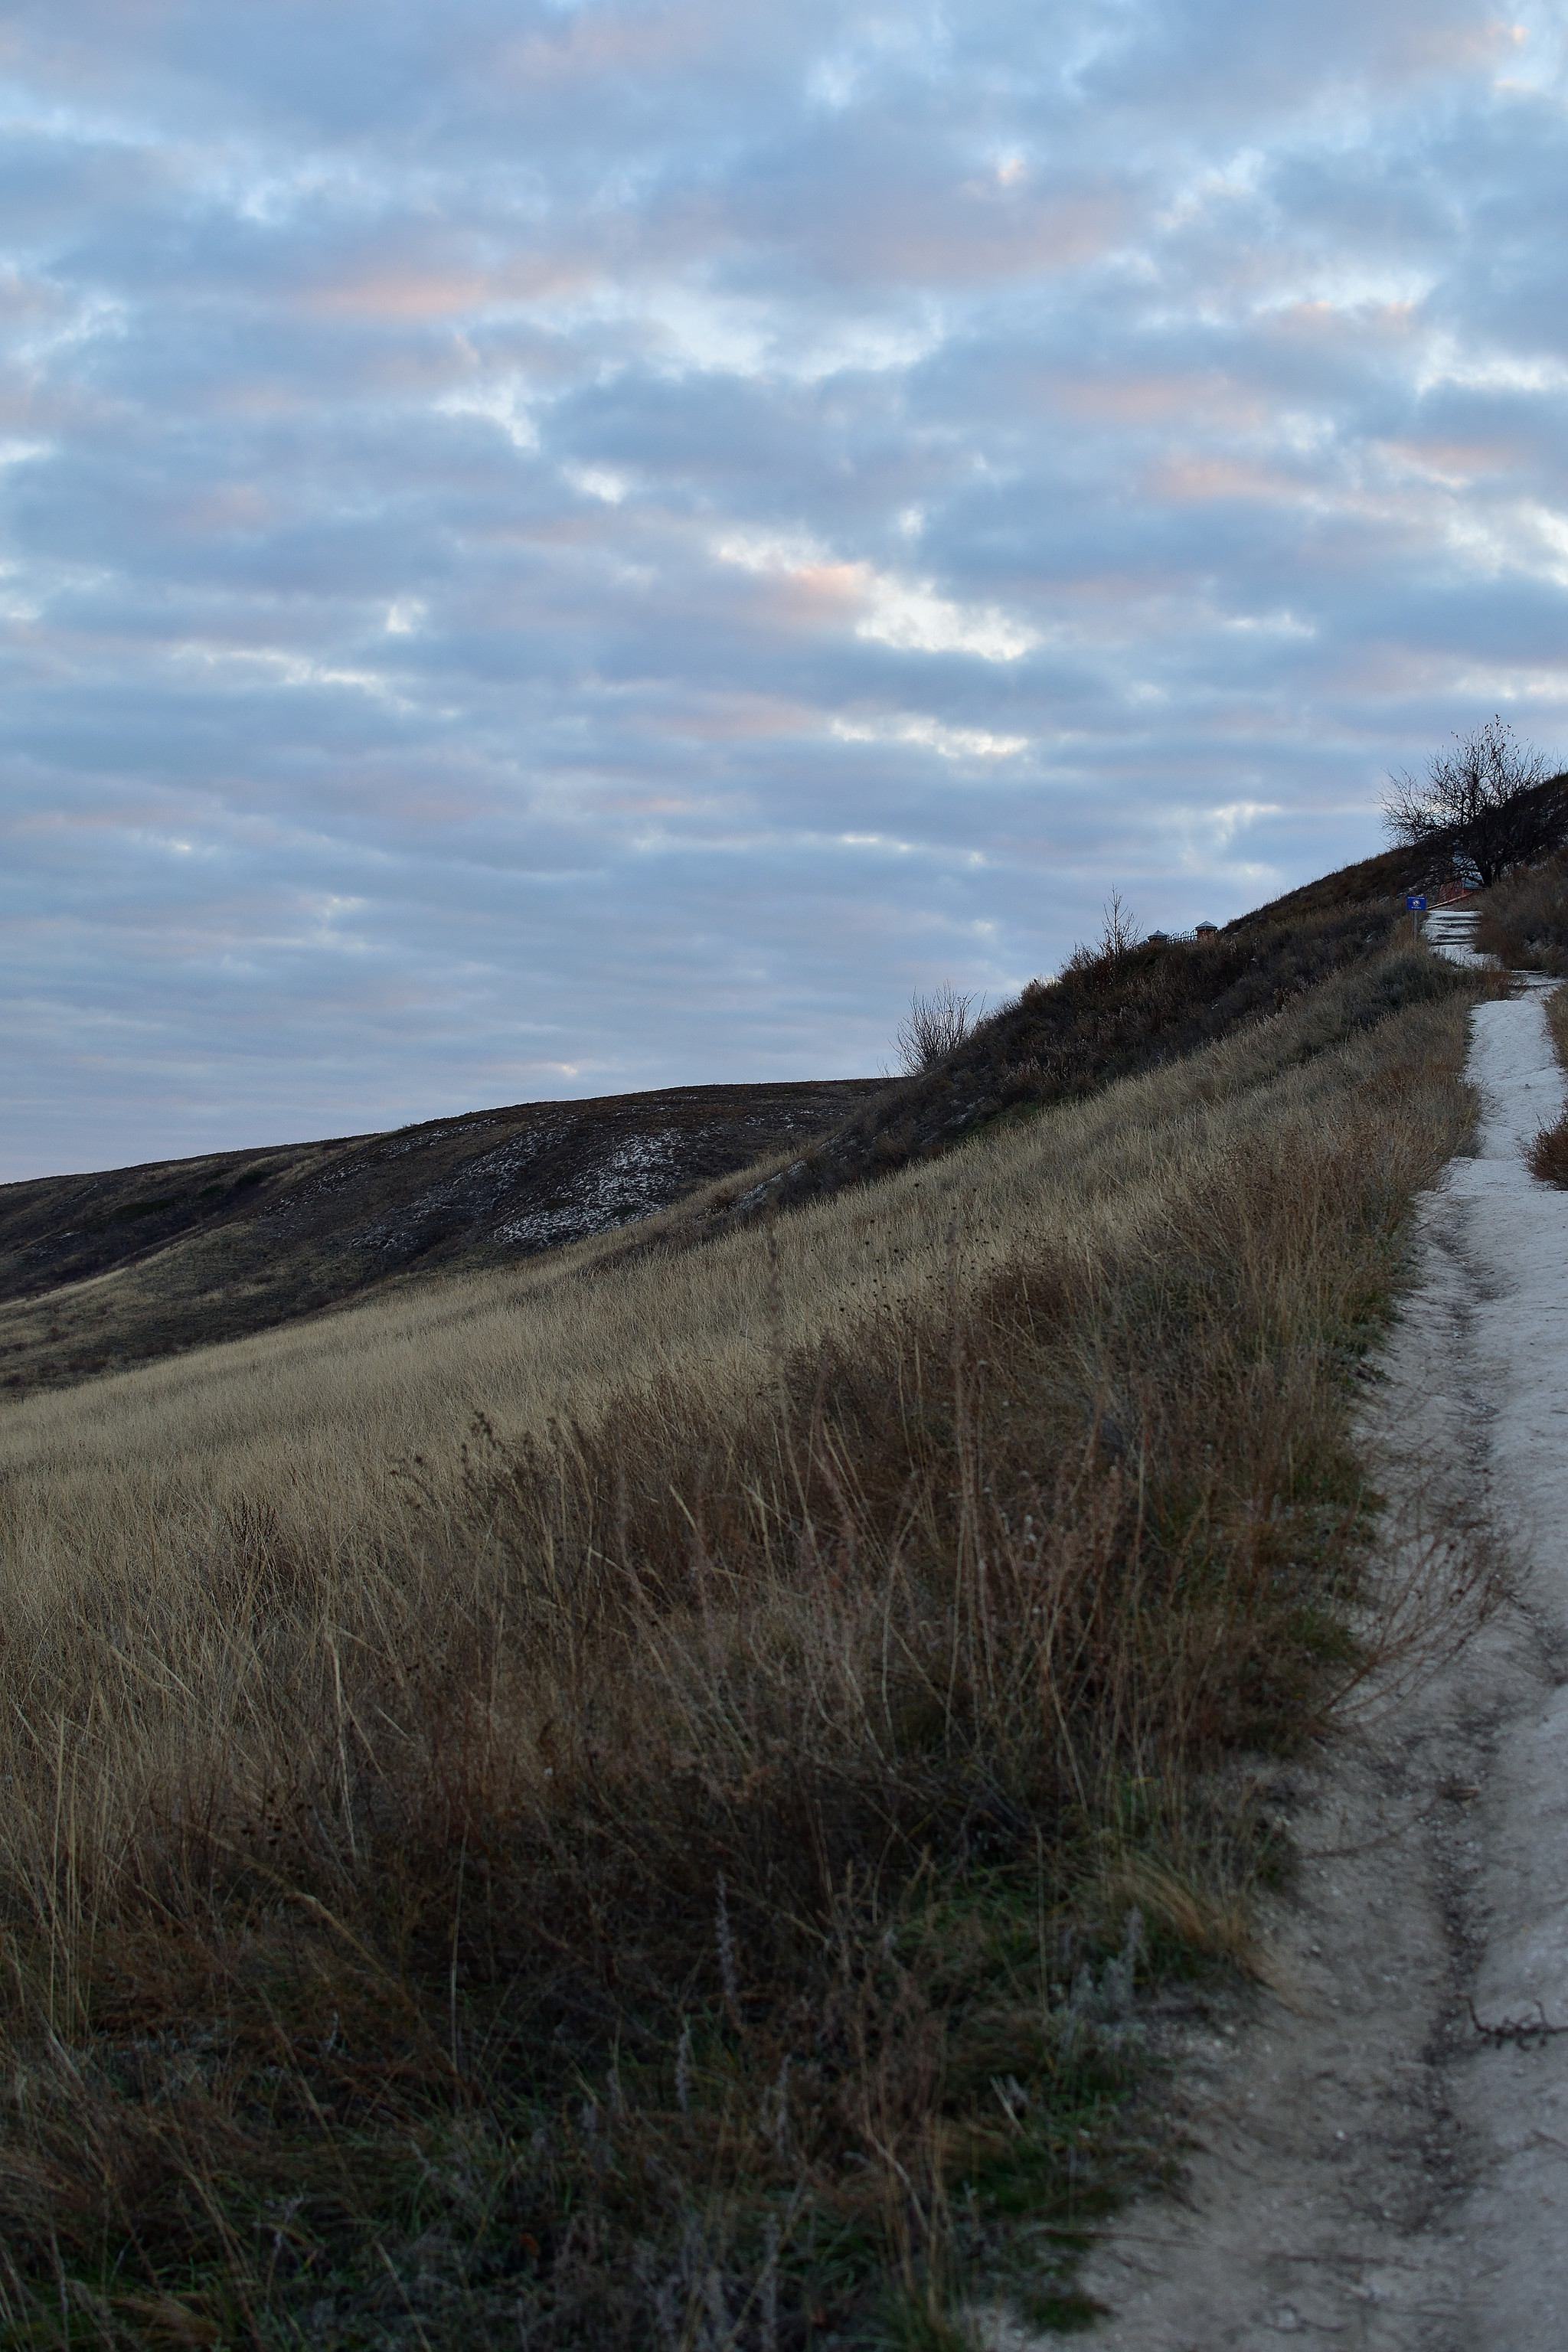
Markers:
99,1272
646,1795
1111,1012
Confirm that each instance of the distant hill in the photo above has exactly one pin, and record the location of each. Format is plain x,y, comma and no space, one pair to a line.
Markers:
98,1272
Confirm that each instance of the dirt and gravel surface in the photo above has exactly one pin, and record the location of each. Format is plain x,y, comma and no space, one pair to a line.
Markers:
1377,2139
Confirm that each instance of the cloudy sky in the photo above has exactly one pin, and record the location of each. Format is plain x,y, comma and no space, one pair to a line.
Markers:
552,549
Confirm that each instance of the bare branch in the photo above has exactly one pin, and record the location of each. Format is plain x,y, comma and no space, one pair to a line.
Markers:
1121,934
1484,806
932,1027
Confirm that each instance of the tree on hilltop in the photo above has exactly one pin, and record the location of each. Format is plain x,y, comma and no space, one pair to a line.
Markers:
1487,804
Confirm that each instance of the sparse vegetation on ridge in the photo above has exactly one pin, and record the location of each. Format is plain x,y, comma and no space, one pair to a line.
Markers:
605,1807
1126,1007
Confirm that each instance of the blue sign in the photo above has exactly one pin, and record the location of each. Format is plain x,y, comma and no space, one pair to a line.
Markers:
1419,904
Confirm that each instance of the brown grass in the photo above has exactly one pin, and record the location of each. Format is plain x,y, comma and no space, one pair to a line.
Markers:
605,1804
1548,1155
1524,917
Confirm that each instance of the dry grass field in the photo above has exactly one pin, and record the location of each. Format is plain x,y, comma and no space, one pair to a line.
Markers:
625,1801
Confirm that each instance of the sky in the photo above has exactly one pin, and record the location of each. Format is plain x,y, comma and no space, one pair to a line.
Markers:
549,549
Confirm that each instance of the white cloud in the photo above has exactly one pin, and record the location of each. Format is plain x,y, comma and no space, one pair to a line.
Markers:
910,616
292,669
1272,625
598,482
1236,817
504,402
914,727
1519,535
1474,368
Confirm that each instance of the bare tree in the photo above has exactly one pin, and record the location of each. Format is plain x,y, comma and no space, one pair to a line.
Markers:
932,1027
1121,934
1485,804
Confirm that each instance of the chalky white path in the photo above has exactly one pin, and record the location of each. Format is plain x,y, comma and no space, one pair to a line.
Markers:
1368,2167
1509,1233
1451,931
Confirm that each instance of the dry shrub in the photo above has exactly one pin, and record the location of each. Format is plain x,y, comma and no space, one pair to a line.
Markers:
932,1027
1524,919
1548,1155
661,1876
1557,1022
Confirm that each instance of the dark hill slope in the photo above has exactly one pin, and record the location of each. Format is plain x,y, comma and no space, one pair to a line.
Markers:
1110,1014
101,1271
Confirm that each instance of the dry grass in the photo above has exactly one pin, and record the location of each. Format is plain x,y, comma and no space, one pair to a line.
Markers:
1524,917
1548,1155
1557,1021
105,1272
600,1806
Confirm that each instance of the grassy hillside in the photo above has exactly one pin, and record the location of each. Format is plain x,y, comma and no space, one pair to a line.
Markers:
1107,1014
1110,1014
102,1271
607,1803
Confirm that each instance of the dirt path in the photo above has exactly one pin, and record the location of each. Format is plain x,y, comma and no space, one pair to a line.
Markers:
1371,2167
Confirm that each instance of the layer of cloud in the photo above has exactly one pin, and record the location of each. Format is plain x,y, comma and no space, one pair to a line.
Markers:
550,548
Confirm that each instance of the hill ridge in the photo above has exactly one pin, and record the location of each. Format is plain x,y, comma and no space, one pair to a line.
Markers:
225,1244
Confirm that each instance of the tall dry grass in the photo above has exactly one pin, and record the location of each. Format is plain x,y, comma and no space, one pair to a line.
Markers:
1547,1154
583,1804
1524,919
